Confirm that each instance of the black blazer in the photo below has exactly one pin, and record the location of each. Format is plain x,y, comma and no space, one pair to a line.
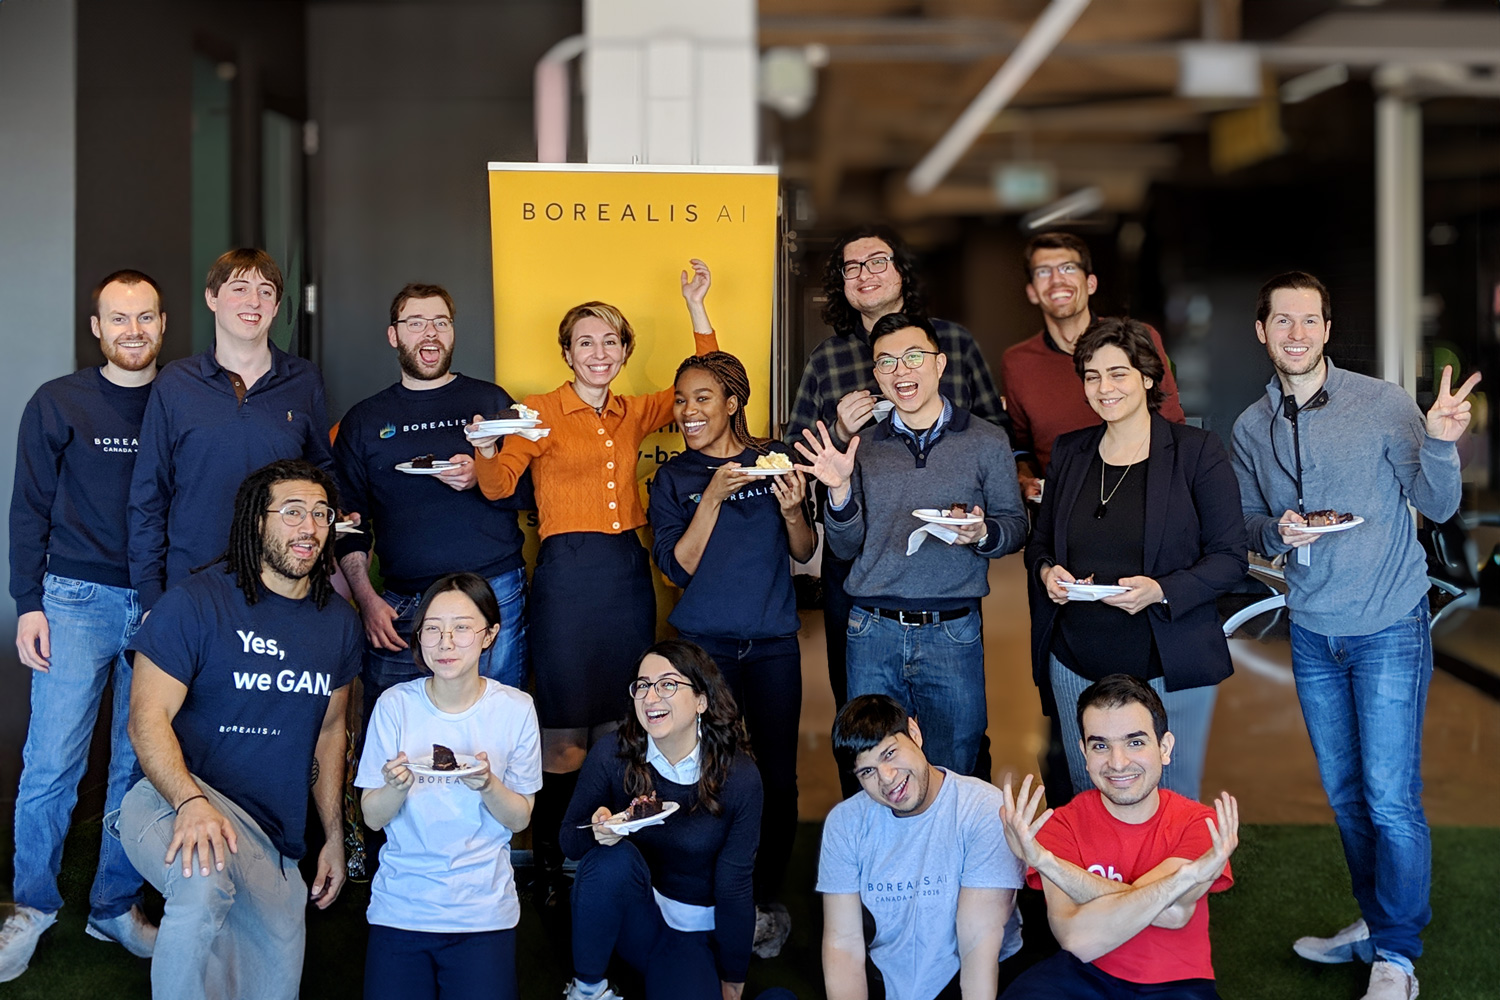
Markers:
1195,545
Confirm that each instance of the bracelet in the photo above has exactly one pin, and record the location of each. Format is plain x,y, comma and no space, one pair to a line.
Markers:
190,798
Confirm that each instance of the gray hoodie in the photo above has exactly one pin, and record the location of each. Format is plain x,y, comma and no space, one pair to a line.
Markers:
1366,452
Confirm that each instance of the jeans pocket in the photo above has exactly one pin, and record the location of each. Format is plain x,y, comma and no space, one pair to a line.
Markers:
66,590
860,622
963,631
509,587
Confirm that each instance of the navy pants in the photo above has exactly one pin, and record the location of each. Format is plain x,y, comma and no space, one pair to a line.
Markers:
1064,977
615,911
766,677
417,965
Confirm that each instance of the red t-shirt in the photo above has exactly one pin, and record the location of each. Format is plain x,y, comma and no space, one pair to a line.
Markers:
1084,833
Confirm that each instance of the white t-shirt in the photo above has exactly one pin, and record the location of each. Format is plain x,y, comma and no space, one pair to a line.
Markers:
445,866
907,872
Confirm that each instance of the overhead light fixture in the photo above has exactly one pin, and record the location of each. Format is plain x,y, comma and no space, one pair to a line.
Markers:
1024,184
1300,88
1218,69
1080,202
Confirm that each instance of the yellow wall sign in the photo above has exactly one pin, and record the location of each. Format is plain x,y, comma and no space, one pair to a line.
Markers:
563,234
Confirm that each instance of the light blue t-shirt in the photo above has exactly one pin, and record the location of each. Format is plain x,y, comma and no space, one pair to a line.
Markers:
907,872
445,866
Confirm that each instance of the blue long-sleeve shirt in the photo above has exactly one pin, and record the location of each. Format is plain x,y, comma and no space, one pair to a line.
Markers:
198,443
412,518
74,453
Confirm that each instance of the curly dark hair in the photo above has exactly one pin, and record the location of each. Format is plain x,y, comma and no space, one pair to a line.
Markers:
722,729
837,312
243,558
729,372
1132,337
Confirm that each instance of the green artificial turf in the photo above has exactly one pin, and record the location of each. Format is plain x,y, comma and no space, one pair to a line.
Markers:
1290,880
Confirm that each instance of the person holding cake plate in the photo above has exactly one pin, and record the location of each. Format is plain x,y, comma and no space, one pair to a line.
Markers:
443,905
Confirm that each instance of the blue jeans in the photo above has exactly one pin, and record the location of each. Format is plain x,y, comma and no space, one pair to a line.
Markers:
935,671
506,660
90,624
1364,698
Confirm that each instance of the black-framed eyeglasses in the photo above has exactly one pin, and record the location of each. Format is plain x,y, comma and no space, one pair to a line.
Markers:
431,633
914,359
294,514
1066,269
875,265
419,324
665,688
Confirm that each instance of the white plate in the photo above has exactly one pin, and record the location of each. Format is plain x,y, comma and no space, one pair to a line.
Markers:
1325,529
667,809
346,528
489,428
423,765
751,470
1091,591
933,516
437,466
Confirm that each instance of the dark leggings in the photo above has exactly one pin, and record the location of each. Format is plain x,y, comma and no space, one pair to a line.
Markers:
418,965
766,677
615,911
1064,977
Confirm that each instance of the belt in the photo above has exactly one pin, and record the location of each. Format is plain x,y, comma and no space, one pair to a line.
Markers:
919,617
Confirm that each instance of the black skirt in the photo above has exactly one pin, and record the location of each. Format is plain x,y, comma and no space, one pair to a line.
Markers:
591,614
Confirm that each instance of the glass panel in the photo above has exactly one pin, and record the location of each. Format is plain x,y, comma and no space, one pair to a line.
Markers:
283,220
210,181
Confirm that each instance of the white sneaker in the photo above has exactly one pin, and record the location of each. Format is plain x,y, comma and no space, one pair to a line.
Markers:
130,929
772,927
1332,950
1388,981
18,938
574,991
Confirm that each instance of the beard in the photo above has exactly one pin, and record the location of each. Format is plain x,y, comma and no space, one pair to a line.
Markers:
277,554
411,362
126,361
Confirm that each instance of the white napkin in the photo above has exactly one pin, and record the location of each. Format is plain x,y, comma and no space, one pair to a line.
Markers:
916,538
534,433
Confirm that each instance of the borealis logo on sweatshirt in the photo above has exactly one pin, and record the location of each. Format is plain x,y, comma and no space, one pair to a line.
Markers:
118,445
388,431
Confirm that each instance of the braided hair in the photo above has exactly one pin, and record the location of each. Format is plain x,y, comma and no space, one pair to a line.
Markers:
244,557
730,373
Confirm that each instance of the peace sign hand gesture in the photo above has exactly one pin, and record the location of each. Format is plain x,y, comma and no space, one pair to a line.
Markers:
1449,416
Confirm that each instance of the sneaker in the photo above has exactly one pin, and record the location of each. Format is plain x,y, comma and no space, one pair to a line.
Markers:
1388,981
1333,950
773,925
130,929
18,938
575,991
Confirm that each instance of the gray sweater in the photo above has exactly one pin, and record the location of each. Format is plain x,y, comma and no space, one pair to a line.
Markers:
1365,452
969,462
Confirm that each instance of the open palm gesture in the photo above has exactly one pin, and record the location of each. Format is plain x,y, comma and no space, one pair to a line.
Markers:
824,461
1449,415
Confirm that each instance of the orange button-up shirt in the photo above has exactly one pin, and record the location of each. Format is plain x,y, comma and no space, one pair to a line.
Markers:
584,471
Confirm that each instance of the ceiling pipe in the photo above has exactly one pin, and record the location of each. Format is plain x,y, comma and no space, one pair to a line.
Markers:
1039,42
553,100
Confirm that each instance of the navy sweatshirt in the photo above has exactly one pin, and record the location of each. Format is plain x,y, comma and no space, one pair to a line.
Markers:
694,857
423,528
198,443
743,586
74,455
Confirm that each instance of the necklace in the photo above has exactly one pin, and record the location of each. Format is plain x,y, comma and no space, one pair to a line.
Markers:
1103,507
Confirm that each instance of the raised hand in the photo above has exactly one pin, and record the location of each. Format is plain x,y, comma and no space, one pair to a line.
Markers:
1018,814
1450,414
695,288
826,463
854,411
1225,834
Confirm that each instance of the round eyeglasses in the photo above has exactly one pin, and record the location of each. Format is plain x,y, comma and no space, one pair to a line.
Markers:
665,688
886,363
431,634
294,514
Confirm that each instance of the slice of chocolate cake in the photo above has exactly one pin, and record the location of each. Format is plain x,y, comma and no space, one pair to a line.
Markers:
509,413
1327,518
643,807
957,510
443,759
423,461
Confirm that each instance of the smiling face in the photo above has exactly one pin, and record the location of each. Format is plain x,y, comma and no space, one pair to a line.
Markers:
671,722
914,391
596,353
291,551
895,773
244,306
454,613
702,411
1114,387
1295,331
129,325
1058,294
872,295
1125,759
425,356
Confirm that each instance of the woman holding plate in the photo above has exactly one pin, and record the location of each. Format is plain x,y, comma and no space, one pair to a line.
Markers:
443,906
1140,529
670,891
592,607
728,519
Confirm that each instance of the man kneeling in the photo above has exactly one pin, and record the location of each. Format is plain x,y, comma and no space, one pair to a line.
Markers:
1124,868
241,676
921,849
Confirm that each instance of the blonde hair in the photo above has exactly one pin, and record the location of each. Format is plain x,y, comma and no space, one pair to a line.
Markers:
611,316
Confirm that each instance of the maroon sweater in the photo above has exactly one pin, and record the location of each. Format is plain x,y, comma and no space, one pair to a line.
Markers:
1044,395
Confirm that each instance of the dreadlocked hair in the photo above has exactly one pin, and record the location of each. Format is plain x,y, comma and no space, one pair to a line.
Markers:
721,730
246,549
730,373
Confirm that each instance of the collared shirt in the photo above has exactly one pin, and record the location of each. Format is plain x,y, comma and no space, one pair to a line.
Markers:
584,470
923,439
678,915
684,772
